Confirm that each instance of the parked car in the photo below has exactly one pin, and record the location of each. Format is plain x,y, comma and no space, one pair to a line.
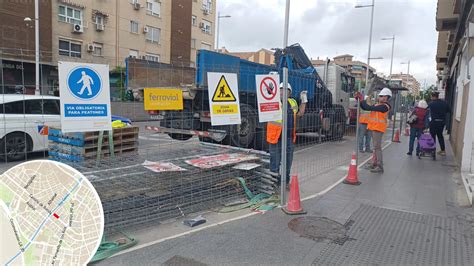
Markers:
22,123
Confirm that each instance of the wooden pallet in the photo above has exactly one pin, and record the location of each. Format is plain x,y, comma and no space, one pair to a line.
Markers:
89,151
91,139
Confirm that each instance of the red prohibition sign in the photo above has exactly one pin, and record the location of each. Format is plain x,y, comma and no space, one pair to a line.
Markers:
265,87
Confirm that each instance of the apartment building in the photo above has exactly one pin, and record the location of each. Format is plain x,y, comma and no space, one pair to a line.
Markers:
356,68
103,32
17,47
203,26
408,81
455,65
262,56
108,31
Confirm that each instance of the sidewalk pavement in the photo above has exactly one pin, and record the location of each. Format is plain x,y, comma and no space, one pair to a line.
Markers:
415,213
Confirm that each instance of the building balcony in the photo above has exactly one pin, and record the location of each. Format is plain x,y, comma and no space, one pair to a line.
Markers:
446,19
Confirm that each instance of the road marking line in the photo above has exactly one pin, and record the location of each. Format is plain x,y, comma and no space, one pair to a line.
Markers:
232,219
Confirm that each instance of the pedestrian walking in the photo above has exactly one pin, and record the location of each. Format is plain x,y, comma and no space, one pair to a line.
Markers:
364,133
438,111
378,122
417,121
274,133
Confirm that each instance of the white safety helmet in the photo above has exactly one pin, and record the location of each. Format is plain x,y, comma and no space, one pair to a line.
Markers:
422,104
289,86
385,92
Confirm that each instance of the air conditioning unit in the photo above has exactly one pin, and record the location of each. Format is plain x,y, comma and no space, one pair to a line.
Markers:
145,29
90,47
206,11
201,25
78,28
100,27
136,6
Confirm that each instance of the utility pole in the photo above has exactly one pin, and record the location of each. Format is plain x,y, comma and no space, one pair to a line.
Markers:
367,74
284,135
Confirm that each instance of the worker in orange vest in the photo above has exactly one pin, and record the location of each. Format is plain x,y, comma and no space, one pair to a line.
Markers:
378,122
274,132
364,133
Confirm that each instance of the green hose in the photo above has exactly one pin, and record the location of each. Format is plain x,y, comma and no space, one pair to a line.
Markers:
256,202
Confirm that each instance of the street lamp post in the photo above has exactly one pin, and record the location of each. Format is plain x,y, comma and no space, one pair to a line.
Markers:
219,27
408,79
37,53
393,48
367,73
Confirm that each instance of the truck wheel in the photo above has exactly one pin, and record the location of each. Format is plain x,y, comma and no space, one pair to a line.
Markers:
180,136
243,135
15,146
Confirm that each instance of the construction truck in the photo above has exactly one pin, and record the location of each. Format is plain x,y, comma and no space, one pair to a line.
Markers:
340,83
322,115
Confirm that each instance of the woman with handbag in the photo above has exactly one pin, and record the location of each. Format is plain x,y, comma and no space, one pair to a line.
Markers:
416,120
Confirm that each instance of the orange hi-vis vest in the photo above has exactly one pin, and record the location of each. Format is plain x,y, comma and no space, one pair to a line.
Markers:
364,117
275,128
378,120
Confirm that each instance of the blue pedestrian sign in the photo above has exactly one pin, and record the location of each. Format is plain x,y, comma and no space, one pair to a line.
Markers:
84,83
85,97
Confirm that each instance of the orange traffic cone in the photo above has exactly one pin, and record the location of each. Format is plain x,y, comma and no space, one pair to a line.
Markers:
294,202
396,138
407,131
351,178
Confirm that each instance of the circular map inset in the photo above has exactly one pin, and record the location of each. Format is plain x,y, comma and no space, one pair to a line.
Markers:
49,214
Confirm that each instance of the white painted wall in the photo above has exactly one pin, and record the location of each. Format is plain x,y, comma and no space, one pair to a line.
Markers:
467,162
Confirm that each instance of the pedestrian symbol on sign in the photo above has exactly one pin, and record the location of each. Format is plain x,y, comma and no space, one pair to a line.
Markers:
223,93
84,83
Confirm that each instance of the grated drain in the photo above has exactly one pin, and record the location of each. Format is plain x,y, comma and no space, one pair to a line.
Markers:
384,237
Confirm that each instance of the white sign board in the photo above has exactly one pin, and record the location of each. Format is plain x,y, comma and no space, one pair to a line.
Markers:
223,98
268,98
84,92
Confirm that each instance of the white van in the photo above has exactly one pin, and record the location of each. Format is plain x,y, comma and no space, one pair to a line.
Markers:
22,121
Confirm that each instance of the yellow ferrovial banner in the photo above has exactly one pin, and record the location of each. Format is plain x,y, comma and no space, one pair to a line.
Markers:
163,99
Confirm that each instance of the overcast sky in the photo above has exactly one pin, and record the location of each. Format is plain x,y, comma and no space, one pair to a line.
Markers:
326,28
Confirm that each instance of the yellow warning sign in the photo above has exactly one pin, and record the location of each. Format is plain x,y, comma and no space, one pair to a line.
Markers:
225,109
223,92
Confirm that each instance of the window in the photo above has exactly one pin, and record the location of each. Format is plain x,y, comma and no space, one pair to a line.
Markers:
97,49
152,57
133,53
194,20
13,107
70,15
153,7
193,43
69,48
133,26
207,27
206,46
153,34
207,6
51,107
34,107
99,20
133,1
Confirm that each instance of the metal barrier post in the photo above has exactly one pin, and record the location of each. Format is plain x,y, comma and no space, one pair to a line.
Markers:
284,135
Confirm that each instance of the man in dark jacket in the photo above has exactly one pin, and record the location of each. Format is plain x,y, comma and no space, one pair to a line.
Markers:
438,111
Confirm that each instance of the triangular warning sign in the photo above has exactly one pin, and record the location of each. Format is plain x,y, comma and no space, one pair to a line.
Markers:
223,92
